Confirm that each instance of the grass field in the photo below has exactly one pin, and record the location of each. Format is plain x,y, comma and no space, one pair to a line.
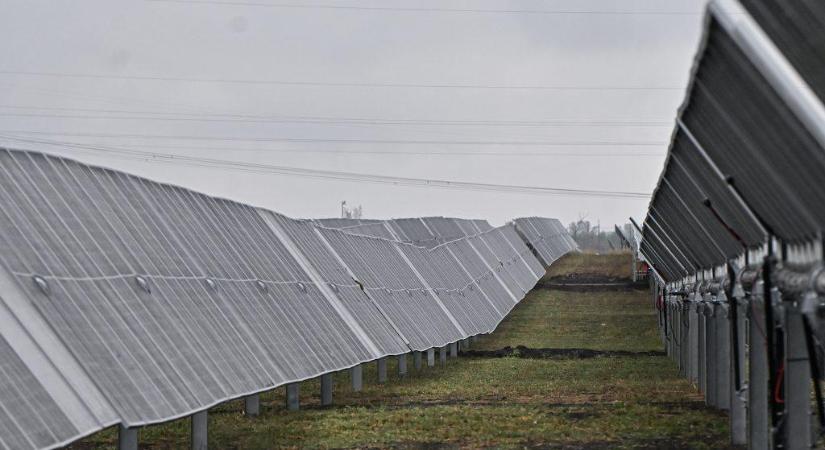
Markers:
489,402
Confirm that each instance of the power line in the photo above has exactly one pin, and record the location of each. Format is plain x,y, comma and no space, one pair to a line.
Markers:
418,153
234,118
346,141
337,175
336,84
428,10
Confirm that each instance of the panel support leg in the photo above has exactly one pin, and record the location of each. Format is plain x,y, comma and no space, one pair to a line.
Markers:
356,375
738,407
252,405
693,344
454,350
417,360
293,392
722,360
711,384
326,389
127,438
797,417
382,370
199,437
701,367
758,413
402,365
430,357
442,355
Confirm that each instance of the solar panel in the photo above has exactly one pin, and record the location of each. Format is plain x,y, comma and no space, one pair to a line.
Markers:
29,417
161,302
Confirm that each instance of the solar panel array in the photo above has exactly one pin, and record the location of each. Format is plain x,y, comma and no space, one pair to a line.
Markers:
547,237
747,155
741,196
127,301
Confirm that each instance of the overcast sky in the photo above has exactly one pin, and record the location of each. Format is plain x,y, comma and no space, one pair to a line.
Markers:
628,68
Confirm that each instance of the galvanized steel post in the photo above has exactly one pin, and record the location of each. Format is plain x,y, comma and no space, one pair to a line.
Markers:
252,405
711,353
382,370
293,391
127,438
797,416
326,389
430,357
402,365
199,432
701,349
738,406
758,412
723,350
417,360
356,374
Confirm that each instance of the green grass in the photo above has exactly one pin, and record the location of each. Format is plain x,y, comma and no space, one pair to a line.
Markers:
606,402
611,320
611,265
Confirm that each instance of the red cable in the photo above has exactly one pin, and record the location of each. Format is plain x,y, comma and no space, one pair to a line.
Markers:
777,389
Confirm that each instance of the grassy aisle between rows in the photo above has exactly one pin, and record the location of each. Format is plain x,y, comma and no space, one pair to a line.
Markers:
634,401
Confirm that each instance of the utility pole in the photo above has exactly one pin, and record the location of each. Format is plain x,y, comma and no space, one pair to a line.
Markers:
343,209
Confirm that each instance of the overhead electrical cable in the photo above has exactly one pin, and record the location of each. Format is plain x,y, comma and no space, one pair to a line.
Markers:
345,141
95,76
431,10
404,152
236,118
336,175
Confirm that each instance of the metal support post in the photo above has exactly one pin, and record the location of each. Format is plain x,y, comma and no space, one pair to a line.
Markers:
417,360
701,349
723,352
382,370
402,365
758,413
693,343
127,438
293,391
430,357
711,353
199,435
797,417
252,405
326,389
738,406
356,375
454,350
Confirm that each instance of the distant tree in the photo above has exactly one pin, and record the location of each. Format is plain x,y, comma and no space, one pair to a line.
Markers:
592,238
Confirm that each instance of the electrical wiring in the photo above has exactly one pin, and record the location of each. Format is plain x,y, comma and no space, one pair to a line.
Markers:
337,175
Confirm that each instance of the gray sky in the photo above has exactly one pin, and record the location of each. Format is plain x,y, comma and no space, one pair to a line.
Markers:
191,42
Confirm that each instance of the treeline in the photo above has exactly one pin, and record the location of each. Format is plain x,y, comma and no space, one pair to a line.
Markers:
592,238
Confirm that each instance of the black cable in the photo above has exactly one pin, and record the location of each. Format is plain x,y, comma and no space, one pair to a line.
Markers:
815,374
770,332
733,304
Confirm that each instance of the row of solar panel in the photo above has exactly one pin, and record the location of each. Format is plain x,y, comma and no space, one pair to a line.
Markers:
547,237
748,152
129,301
